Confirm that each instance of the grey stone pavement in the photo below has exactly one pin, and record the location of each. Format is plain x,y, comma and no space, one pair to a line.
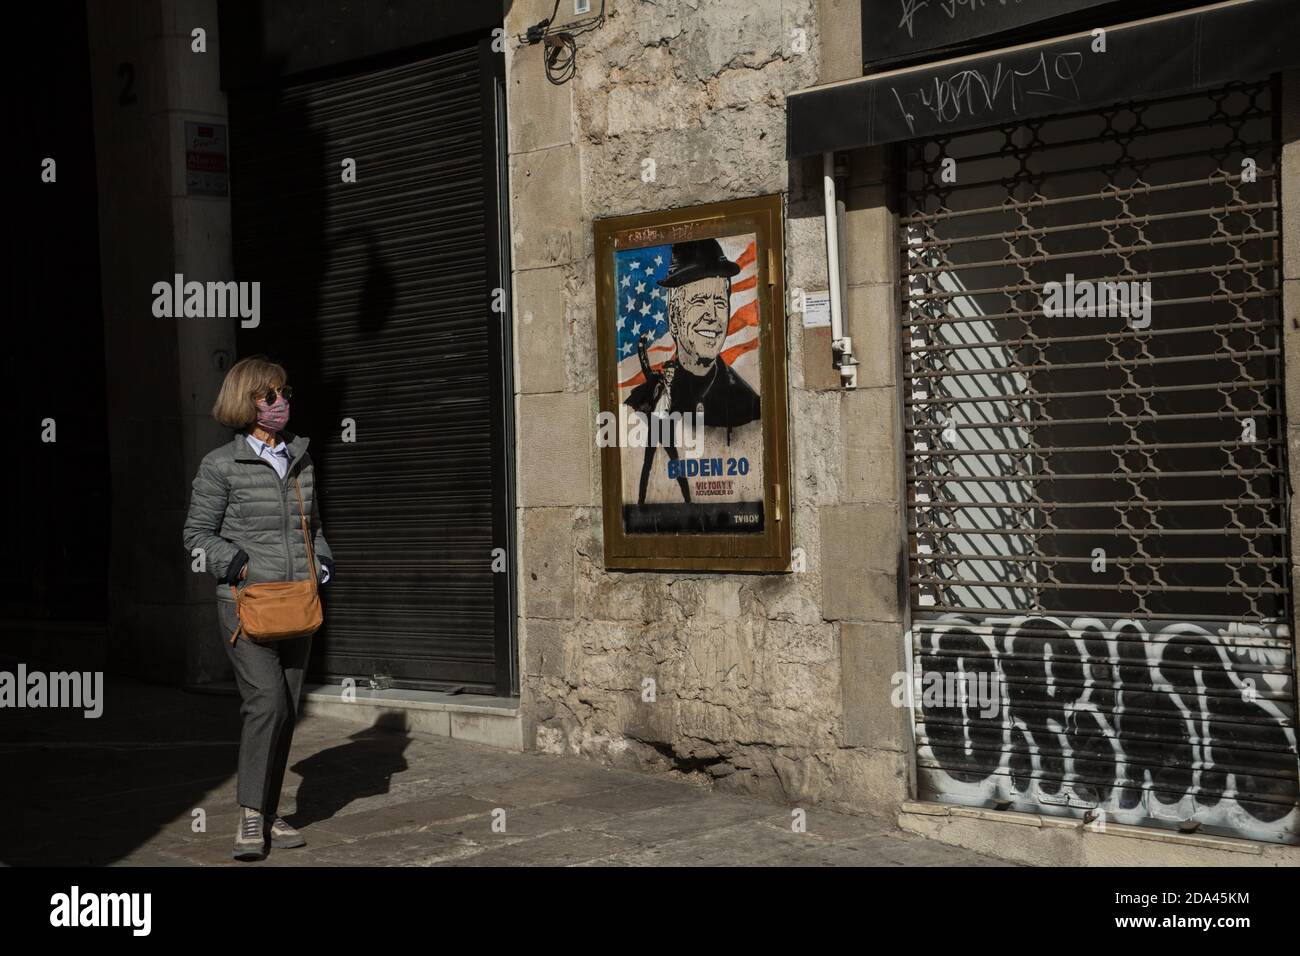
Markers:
123,790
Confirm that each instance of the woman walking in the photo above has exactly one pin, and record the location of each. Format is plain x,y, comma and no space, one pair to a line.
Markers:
244,518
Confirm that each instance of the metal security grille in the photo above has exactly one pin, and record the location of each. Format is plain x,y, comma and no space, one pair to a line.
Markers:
376,295
1095,458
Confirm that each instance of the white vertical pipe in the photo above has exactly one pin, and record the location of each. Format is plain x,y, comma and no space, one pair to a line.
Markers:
832,246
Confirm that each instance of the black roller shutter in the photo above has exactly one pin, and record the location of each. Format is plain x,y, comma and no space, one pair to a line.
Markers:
377,297
1098,500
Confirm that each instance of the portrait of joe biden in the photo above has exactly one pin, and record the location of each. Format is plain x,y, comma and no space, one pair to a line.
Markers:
699,310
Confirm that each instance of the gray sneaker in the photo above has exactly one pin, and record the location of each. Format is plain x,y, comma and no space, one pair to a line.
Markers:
250,838
285,837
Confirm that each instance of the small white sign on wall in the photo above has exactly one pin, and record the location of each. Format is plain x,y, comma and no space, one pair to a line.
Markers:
817,310
205,159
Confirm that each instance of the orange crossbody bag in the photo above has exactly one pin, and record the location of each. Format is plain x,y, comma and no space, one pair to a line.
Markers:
278,610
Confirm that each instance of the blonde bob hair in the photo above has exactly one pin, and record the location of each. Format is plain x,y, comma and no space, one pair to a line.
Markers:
236,404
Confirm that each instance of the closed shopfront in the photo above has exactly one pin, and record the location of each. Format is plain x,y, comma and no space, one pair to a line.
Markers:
1097,492
366,198
1092,402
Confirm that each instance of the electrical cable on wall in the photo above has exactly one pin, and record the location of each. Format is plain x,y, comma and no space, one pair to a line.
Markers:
561,54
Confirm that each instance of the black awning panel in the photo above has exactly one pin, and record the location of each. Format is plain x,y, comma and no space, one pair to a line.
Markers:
904,29
1206,47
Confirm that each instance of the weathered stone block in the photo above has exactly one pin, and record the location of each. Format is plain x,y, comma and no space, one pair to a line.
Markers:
862,552
491,730
546,563
805,247
870,781
869,425
819,371
840,29
1289,185
817,457
1291,348
546,207
540,327
542,652
715,37
555,450
541,113
869,240
871,319
871,666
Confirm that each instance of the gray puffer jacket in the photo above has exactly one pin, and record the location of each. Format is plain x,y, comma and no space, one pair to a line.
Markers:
242,512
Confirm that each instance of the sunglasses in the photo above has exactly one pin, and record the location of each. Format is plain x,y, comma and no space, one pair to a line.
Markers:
285,391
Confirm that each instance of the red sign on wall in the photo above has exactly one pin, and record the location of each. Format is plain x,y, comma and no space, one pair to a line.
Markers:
205,160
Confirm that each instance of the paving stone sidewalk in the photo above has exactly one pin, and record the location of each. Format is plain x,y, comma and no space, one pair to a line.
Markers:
124,790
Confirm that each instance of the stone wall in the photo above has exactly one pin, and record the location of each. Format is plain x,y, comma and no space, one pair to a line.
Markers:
778,683
161,375
1289,187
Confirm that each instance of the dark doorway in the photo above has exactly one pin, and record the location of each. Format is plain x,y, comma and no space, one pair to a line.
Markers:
377,295
54,494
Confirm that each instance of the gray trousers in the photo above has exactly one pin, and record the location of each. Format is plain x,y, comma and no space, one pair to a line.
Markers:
269,676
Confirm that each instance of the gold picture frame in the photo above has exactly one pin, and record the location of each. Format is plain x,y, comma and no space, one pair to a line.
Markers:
714,497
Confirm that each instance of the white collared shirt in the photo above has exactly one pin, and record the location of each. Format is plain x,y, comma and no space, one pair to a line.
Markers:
277,456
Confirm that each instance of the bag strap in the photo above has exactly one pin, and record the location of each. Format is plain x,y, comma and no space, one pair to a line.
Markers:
234,637
311,555
306,536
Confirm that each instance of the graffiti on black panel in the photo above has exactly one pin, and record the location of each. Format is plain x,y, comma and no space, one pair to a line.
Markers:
1175,724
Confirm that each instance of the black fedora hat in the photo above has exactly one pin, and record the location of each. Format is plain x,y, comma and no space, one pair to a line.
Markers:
697,259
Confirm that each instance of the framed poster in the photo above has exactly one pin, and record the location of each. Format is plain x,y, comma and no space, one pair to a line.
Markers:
692,424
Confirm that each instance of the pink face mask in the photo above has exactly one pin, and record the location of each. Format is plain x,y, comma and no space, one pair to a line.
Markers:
273,417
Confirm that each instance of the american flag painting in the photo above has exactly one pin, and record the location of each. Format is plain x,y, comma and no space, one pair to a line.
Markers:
643,309
708,366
